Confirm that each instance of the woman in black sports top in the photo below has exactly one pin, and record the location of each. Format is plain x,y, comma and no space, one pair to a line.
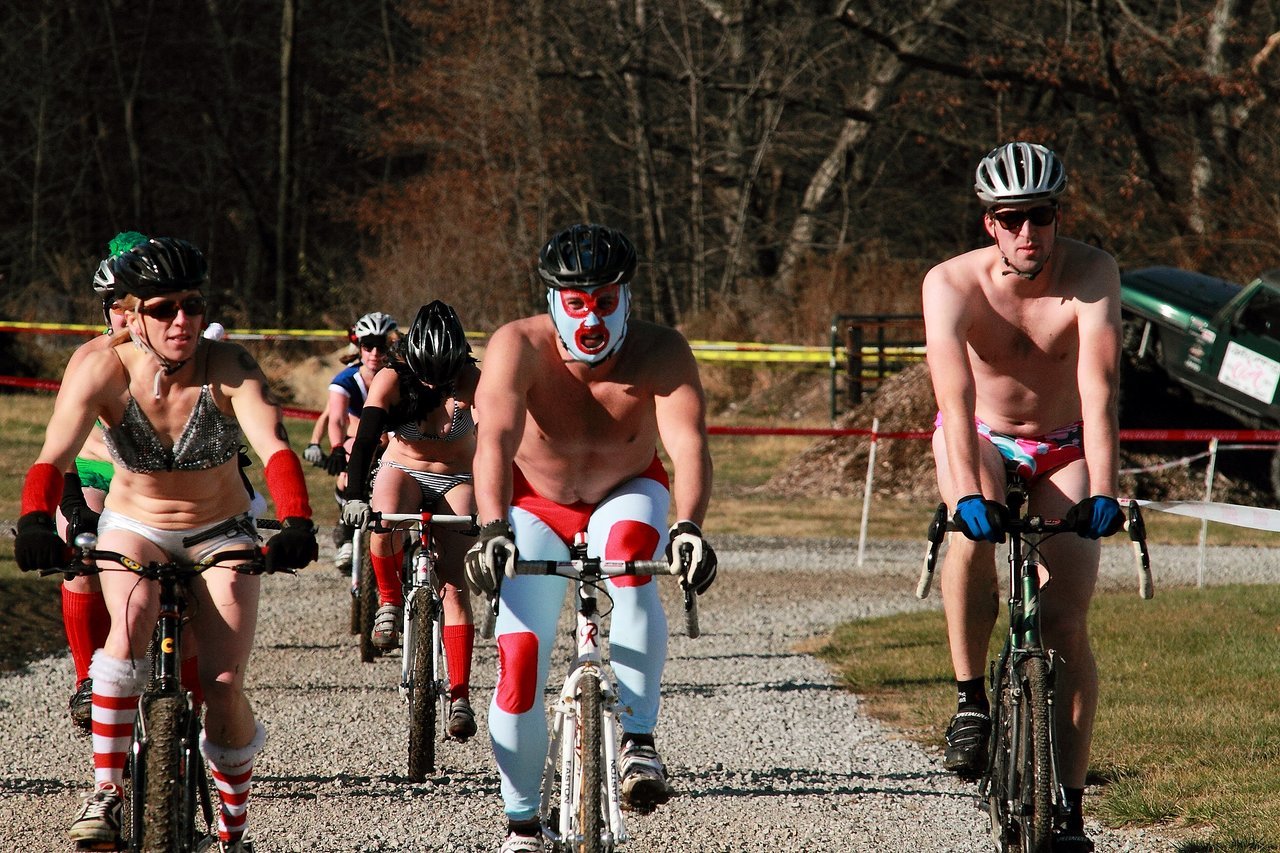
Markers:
425,401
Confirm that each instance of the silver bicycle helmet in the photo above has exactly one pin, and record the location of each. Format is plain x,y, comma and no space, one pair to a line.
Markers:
374,323
1019,172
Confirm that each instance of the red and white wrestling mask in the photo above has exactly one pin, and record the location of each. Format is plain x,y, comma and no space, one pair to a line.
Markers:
591,321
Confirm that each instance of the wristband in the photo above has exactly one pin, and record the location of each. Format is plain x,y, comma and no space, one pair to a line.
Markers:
41,489
287,486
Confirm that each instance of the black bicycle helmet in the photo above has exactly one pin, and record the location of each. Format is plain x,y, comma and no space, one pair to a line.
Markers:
436,347
159,265
586,256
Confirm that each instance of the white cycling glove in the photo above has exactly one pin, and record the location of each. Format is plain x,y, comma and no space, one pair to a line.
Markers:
355,513
701,571
493,553
313,454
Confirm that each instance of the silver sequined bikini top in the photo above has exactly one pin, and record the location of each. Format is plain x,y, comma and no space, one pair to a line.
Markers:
208,440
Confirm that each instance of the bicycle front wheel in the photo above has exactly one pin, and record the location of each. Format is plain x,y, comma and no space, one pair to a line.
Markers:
164,817
1033,757
588,768
422,693
367,605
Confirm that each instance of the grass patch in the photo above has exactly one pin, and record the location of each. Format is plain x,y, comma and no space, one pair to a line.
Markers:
1188,728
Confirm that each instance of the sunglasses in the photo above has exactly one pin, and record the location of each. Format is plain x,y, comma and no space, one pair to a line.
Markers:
372,342
1012,220
192,306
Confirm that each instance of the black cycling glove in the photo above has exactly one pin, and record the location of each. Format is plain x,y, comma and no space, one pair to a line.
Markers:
294,546
37,544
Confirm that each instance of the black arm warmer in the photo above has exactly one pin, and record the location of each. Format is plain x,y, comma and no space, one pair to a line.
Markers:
72,495
372,421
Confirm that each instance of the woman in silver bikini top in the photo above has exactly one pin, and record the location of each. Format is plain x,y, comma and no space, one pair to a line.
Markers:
209,438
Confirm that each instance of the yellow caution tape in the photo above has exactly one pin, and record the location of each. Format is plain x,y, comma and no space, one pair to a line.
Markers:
711,351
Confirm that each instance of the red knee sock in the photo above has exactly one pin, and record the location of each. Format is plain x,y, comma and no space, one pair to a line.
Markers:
387,571
189,675
459,640
86,621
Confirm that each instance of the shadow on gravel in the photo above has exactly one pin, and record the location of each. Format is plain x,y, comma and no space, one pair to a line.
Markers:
40,786
738,656
306,647
704,689
791,782
386,786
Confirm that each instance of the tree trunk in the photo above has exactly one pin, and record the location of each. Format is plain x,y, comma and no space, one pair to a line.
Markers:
288,13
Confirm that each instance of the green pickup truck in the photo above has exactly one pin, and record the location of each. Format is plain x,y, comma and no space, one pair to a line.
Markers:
1216,338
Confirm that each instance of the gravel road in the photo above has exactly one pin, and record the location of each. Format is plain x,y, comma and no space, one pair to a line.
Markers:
765,750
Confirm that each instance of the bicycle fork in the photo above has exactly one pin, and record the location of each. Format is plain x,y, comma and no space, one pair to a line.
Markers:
565,729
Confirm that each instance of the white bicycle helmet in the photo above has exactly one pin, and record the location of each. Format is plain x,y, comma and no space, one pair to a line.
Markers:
104,280
1019,172
374,323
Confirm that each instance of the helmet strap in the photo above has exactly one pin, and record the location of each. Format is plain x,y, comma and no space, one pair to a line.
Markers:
1030,276
167,366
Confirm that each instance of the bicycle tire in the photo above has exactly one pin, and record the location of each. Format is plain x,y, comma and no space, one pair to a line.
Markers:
997,782
368,606
589,760
1036,773
166,824
422,694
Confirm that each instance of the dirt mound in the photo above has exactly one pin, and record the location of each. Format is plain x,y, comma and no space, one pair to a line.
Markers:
837,466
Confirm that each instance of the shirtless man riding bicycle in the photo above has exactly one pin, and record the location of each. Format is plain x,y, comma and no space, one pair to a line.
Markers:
1023,341
574,403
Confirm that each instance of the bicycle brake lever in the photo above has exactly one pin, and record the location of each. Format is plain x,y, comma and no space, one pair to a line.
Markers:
1138,535
937,530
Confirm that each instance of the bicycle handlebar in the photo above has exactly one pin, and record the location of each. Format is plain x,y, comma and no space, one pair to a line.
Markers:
384,522
1136,527
593,568
88,555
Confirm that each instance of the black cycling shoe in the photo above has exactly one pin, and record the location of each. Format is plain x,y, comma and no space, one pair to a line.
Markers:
1072,843
1068,833
80,707
967,738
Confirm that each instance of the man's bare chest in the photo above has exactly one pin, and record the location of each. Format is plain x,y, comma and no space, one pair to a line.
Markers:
1037,332
601,414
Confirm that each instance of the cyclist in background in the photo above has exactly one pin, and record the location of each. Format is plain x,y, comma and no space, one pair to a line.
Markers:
573,405
374,333
1023,342
85,485
425,401
173,406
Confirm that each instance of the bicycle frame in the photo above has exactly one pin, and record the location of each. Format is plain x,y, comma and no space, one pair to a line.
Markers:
1021,795
168,779
565,727
583,732
423,605
1013,694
